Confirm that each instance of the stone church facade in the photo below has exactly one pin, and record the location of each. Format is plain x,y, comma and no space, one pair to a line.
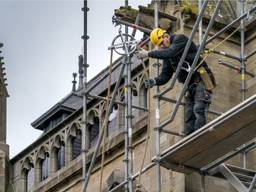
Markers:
54,162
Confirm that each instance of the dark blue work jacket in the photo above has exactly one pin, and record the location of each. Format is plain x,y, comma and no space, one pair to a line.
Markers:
171,57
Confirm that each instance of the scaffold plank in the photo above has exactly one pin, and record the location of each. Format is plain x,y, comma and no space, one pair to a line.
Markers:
220,136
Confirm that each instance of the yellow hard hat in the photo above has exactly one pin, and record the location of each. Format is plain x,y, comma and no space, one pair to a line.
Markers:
156,36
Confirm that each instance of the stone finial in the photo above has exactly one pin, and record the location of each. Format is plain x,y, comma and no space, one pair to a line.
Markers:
74,82
80,71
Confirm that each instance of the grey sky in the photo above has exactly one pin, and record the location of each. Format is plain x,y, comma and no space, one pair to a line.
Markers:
41,47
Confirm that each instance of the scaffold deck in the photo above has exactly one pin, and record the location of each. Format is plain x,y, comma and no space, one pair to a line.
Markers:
220,136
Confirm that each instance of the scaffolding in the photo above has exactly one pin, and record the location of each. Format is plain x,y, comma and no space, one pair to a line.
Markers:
180,157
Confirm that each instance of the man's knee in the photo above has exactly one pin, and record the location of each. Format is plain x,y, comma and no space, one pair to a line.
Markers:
200,109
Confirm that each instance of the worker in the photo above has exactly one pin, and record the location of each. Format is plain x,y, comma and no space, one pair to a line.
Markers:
199,92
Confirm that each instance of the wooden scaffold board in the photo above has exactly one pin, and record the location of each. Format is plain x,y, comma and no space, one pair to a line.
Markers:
220,136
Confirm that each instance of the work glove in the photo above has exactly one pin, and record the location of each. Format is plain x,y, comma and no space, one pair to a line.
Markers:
149,83
142,53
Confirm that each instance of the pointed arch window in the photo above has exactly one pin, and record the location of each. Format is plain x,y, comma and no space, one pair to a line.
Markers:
45,168
93,131
121,114
27,175
112,121
135,101
60,154
77,144
143,98
30,178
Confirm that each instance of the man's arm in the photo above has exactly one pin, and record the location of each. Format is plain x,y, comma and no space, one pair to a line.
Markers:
177,46
166,74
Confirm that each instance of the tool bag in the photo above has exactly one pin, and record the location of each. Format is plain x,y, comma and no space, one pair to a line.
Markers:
207,77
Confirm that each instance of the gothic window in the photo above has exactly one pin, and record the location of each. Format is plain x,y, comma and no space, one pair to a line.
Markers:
27,175
45,168
121,115
135,101
60,154
112,121
93,131
30,179
143,101
77,145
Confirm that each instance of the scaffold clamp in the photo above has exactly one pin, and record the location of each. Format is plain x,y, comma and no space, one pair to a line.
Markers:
123,44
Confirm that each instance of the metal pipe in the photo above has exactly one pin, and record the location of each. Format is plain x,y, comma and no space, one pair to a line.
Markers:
136,23
172,132
253,9
201,47
227,157
252,184
226,54
235,68
127,160
201,23
133,177
182,103
87,177
128,114
242,66
185,52
116,101
247,150
85,132
129,119
250,54
157,113
142,29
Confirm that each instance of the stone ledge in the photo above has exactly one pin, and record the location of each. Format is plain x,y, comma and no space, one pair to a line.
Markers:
74,168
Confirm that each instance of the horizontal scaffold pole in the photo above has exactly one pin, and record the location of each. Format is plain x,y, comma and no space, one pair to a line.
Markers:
182,103
225,54
117,102
250,54
142,29
235,67
253,9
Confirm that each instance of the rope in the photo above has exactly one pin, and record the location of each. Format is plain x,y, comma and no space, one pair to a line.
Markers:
105,123
147,134
209,52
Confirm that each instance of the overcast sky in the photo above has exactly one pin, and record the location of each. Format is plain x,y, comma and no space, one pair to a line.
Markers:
42,41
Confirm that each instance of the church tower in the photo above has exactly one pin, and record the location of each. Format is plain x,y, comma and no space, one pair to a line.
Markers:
4,148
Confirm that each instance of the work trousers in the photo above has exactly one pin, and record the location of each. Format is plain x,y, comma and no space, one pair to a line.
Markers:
197,104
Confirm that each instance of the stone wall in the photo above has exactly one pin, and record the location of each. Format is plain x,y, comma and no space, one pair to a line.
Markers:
4,168
225,96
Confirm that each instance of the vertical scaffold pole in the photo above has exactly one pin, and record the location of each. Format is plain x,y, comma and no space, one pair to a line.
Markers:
242,65
128,119
157,114
126,160
201,22
85,133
